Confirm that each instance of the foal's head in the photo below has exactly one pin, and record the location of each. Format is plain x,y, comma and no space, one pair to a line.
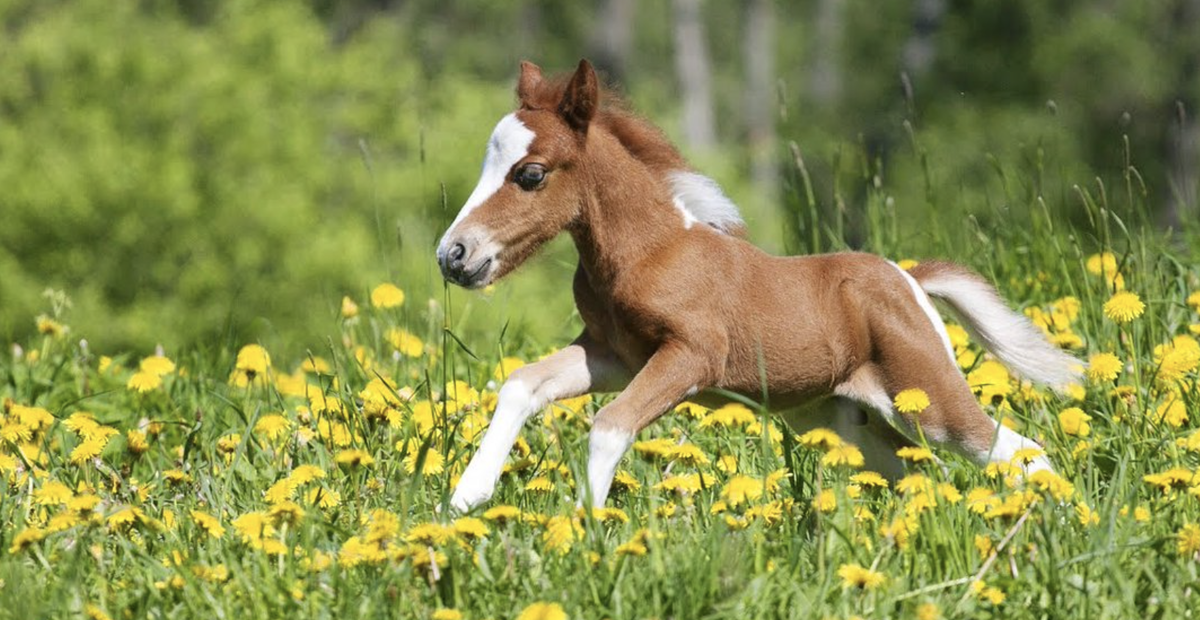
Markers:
531,186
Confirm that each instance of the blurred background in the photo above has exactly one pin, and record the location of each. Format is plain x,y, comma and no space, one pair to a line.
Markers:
196,172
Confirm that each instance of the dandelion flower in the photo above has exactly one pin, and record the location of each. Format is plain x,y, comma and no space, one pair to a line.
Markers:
143,382
506,367
821,438
50,327
349,308
470,527
447,614
253,359
543,611
1124,307
1193,300
387,296
354,458
208,523
561,533
405,342
869,479
741,489
845,454
1187,541
272,426
502,514
1103,367
157,364
913,400
988,593
1173,412
915,454
1073,421
855,576
825,501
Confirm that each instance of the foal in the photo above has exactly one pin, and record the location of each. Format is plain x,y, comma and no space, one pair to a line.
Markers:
674,301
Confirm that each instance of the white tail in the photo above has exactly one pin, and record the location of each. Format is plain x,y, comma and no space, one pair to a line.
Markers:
1009,336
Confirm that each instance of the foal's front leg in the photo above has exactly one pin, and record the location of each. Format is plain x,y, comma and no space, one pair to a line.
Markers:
580,368
673,373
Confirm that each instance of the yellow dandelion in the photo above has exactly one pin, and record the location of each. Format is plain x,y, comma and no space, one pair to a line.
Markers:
432,465
741,489
733,414
1187,540
506,368
625,481
820,438
50,327
1104,367
323,498
845,454
540,484
354,458
157,365
855,576
1073,421
687,454
143,382
561,533
991,594
825,501
208,523
253,359
26,539
387,296
405,342
272,426
543,611
1193,300
447,614
913,400
1173,412
915,454
88,450
1124,307
471,528
869,479
502,514
349,308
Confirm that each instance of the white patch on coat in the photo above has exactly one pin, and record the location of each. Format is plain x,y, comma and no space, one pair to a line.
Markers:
607,446
515,403
927,306
1006,445
701,200
508,145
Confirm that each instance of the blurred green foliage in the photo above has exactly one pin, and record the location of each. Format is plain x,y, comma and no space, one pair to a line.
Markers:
191,171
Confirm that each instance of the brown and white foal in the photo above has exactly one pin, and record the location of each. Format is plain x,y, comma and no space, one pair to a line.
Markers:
675,302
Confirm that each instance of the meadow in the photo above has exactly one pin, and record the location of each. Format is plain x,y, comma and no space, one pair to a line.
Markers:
230,482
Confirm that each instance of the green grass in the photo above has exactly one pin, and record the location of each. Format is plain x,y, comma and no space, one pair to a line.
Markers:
1091,552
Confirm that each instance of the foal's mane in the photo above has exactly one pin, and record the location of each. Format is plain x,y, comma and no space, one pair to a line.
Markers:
698,196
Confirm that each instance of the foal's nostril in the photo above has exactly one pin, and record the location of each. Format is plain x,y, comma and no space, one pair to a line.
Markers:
456,252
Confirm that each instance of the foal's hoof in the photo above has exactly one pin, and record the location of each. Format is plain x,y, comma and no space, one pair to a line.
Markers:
466,498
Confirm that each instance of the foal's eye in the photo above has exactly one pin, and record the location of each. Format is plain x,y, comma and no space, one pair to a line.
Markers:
530,176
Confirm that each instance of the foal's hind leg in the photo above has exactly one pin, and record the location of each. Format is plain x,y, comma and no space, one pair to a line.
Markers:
953,418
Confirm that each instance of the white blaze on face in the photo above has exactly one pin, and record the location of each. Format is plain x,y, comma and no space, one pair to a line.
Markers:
508,145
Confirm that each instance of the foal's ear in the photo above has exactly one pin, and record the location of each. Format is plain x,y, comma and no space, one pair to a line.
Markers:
531,77
581,98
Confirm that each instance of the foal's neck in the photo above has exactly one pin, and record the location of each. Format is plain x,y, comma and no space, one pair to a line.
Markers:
627,212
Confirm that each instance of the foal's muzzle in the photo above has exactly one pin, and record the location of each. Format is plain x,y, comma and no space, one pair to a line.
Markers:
463,266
